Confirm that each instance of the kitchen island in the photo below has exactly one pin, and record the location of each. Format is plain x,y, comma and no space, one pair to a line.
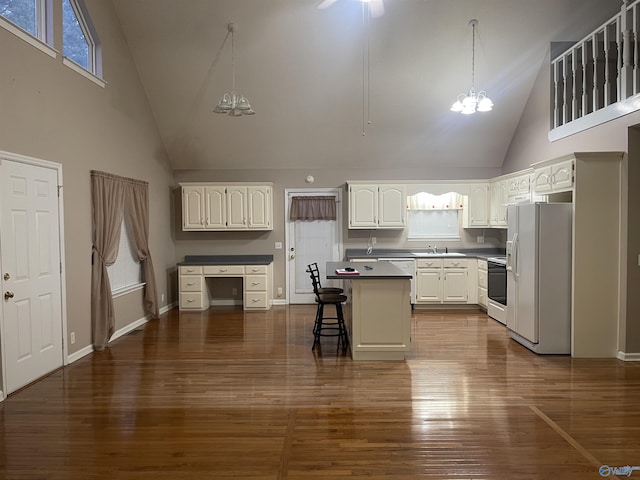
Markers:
378,312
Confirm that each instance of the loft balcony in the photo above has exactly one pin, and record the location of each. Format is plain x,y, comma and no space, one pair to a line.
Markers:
598,78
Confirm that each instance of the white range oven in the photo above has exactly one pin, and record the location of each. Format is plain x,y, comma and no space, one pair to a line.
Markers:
497,288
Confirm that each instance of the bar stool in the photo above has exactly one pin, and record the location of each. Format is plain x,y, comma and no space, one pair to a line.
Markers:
315,272
321,327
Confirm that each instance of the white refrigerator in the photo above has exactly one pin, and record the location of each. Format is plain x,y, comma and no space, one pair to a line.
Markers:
539,238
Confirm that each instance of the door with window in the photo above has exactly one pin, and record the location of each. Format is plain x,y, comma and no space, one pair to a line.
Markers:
311,241
31,272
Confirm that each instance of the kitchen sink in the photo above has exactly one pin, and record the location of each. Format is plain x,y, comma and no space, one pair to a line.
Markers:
425,254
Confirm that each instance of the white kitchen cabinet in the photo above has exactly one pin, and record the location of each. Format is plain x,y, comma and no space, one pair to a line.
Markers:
553,177
477,212
213,207
377,206
442,280
257,285
483,283
428,285
498,204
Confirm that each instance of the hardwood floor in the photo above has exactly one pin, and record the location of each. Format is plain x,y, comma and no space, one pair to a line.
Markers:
228,394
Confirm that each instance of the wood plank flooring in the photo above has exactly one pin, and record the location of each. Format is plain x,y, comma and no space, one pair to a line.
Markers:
227,394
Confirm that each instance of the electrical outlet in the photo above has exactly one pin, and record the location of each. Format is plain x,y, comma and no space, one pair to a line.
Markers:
234,291
162,297
480,239
374,240
278,245
279,291
73,337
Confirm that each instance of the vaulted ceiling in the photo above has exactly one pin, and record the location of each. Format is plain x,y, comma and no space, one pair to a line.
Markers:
304,70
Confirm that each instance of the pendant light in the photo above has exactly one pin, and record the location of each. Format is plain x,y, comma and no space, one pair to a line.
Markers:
233,104
472,102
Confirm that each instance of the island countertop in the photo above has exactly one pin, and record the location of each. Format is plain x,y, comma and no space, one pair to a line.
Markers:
378,270
227,260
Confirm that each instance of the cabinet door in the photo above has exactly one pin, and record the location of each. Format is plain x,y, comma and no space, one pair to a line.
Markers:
216,208
363,206
392,206
454,285
237,208
501,200
562,176
193,208
259,208
428,286
479,206
542,180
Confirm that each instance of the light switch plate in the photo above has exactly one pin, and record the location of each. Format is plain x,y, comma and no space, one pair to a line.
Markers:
278,245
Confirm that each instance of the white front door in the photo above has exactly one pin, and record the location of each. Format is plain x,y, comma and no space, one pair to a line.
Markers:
317,241
30,273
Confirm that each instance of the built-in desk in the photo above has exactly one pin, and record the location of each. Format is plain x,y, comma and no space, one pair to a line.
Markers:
255,270
378,312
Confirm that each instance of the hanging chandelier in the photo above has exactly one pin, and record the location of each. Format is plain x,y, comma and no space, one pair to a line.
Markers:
232,103
472,102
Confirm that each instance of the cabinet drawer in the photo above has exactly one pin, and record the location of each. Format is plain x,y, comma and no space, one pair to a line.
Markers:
482,278
190,283
191,300
255,269
482,297
255,283
429,263
482,264
255,300
224,270
190,270
454,263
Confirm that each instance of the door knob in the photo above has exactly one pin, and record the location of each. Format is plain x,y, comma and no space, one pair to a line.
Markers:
8,295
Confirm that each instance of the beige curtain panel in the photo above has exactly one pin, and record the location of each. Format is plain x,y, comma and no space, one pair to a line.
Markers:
112,198
313,208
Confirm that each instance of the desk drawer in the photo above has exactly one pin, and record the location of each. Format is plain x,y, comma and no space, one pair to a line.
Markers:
190,270
255,269
191,300
224,270
255,300
255,283
190,283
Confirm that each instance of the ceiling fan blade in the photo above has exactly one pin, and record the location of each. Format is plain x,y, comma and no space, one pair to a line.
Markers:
326,4
376,7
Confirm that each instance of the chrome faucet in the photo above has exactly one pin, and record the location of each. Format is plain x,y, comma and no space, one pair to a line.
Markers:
433,249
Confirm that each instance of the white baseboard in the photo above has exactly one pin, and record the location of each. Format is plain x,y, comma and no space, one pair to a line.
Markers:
79,354
225,302
280,301
117,334
628,357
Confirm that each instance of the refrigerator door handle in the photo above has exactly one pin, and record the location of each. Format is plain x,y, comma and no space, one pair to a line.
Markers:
516,245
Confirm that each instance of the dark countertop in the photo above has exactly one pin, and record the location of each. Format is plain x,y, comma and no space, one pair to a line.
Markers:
382,270
227,260
482,253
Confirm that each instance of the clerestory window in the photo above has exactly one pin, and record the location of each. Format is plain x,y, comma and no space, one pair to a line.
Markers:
30,16
79,40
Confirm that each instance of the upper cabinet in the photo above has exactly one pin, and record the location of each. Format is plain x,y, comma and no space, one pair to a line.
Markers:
211,207
498,204
477,211
553,176
377,206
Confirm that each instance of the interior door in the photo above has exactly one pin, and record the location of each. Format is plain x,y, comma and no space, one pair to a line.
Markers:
318,241
31,278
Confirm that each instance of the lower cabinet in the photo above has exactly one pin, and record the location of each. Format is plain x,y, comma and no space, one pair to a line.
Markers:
443,280
483,299
257,281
